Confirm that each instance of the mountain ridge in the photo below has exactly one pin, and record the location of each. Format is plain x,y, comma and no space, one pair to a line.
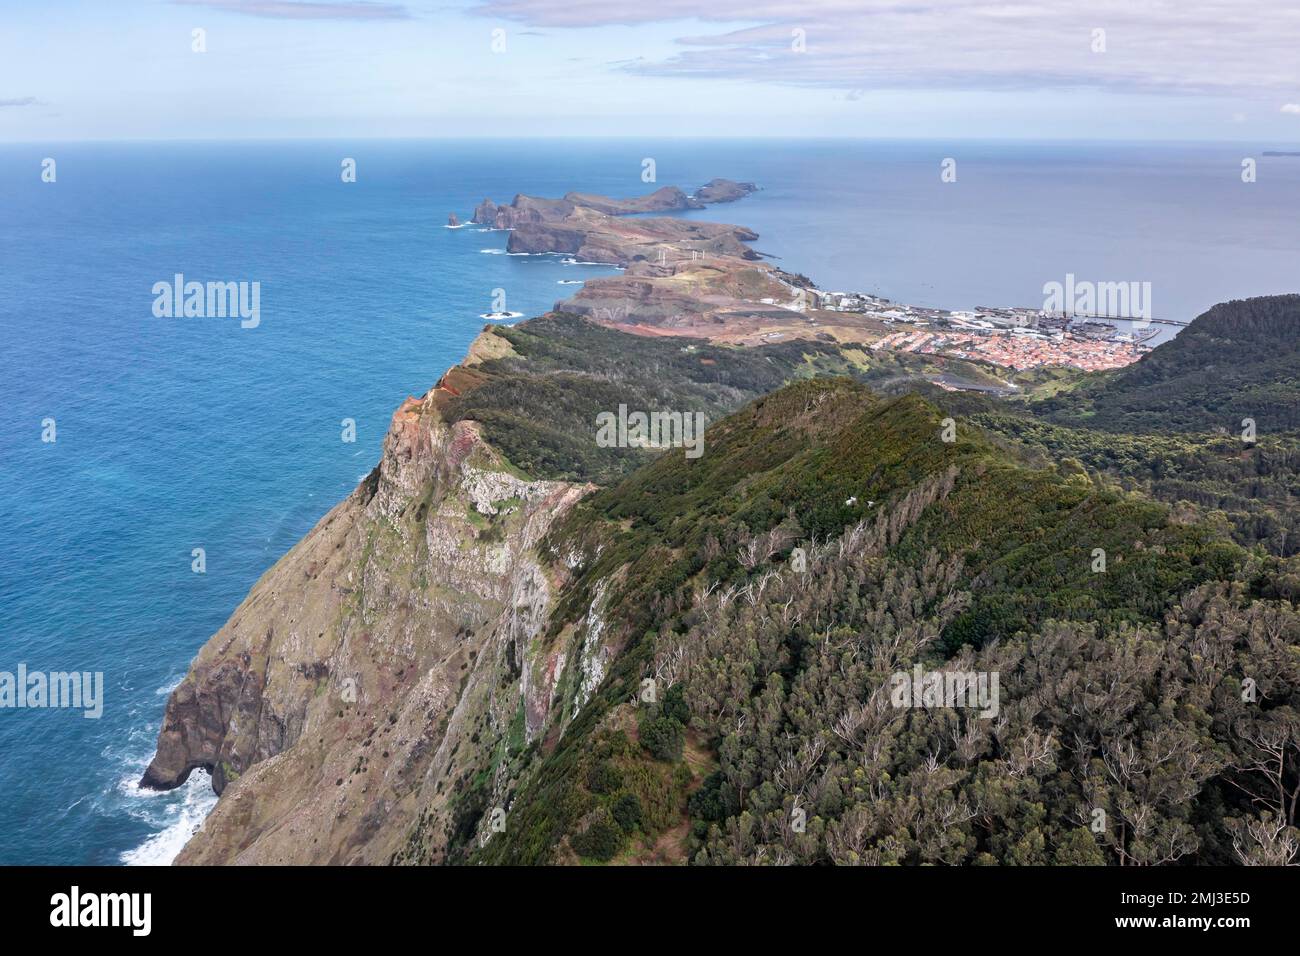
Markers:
451,666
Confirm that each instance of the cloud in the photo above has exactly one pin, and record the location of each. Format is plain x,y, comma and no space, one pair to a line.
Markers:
1291,107
1212,47
22,101
305,9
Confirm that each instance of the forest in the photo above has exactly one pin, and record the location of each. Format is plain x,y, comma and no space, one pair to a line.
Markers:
1135,594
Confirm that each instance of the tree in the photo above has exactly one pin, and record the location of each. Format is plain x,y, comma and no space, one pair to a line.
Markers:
626,812
663,737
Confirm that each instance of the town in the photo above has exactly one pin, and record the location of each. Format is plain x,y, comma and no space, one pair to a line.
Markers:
1017,338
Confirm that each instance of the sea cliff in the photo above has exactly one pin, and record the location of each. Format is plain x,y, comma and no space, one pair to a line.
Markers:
515,644
350,697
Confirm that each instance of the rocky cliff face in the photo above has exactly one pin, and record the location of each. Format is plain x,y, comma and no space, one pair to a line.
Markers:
380,688
453,665
365,673
397,677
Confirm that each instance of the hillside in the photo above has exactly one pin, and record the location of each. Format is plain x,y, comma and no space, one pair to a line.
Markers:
537,387
1239,360
516,643
775,681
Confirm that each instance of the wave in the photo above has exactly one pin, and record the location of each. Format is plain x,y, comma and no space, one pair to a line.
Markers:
180,819
500,316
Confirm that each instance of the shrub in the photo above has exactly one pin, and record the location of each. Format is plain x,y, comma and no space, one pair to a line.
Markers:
604,777
663,738
706,803
601,839
675,705
627,812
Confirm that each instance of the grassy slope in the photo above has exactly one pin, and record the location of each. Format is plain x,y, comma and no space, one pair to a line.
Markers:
796,457
539,404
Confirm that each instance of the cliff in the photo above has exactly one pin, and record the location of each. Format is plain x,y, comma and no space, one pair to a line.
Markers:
512,644
595,228
339,699
379,685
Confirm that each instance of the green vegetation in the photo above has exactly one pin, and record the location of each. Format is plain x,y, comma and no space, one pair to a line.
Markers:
949,555
1124,567
1248,492
627,812
600,837
663,737
1239,360
538,405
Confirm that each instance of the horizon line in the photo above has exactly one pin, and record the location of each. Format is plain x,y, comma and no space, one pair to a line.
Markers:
560,137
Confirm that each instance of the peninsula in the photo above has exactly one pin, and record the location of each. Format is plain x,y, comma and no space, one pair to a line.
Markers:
515,644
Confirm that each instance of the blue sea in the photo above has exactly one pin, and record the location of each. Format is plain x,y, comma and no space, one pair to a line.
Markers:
180,433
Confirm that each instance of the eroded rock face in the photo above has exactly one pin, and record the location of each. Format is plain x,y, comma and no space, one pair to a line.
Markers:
538,237
336,704
244,697
356,706
485,213
522,209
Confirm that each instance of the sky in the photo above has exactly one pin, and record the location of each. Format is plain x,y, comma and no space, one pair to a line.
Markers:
1048,69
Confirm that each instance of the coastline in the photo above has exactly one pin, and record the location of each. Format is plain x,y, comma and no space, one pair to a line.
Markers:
703,279
188,718
218,718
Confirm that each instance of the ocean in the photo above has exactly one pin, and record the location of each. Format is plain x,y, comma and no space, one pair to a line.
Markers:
174,434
